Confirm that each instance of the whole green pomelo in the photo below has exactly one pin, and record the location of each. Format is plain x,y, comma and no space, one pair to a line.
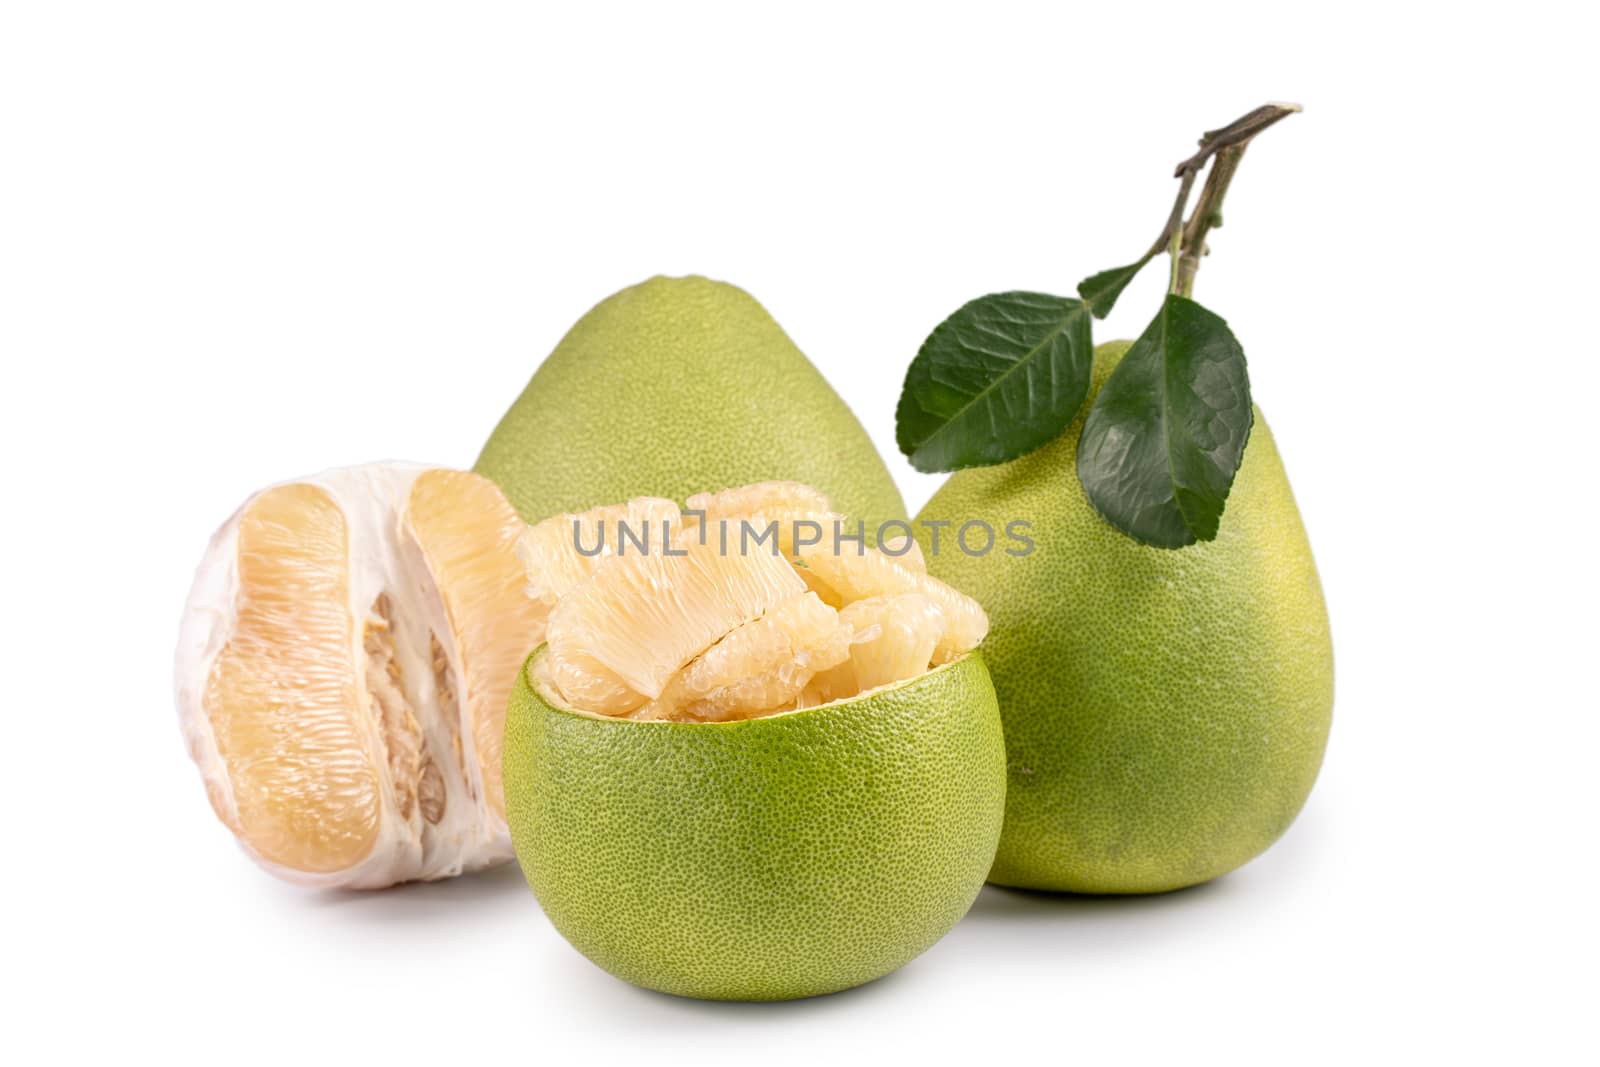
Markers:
1165,711
673,387
764,859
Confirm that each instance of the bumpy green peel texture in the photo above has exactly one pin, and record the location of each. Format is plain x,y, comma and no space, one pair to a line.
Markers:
1165,711
673,387
766,859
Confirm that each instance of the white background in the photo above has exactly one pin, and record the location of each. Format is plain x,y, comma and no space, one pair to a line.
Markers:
241,243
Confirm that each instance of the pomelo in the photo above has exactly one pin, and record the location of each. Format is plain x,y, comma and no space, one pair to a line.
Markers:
1165,711
721,784
767,858
672,386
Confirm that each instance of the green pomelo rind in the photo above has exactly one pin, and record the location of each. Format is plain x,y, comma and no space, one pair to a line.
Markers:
678,386
764,859
1165,712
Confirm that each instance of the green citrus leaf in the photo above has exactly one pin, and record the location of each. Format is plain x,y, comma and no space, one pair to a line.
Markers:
1165,435
1100,291
1000,377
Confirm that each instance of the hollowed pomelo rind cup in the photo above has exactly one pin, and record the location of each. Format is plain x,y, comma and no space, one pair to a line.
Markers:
765,859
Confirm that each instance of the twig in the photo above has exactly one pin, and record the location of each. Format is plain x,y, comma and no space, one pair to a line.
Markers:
1227,145
1207,214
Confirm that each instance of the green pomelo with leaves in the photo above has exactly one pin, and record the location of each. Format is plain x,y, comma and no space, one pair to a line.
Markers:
770,858
1165,711
672,387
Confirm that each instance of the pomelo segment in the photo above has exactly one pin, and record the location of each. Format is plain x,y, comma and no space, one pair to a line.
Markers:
561,551
772,499
762,665
303,789
467,534
343,668
785,503
640,617
893,637
845,577
898,636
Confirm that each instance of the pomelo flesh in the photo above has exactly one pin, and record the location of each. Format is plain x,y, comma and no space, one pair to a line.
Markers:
709,627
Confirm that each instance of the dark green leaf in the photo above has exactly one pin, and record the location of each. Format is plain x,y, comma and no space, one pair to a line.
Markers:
1100,291
1165,435
999,378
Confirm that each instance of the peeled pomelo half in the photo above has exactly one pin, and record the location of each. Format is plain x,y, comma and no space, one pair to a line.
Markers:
697,817
343,668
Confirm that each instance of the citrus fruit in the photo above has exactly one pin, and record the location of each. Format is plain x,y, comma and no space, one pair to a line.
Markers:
1165,711
343,668
669,387
696,817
